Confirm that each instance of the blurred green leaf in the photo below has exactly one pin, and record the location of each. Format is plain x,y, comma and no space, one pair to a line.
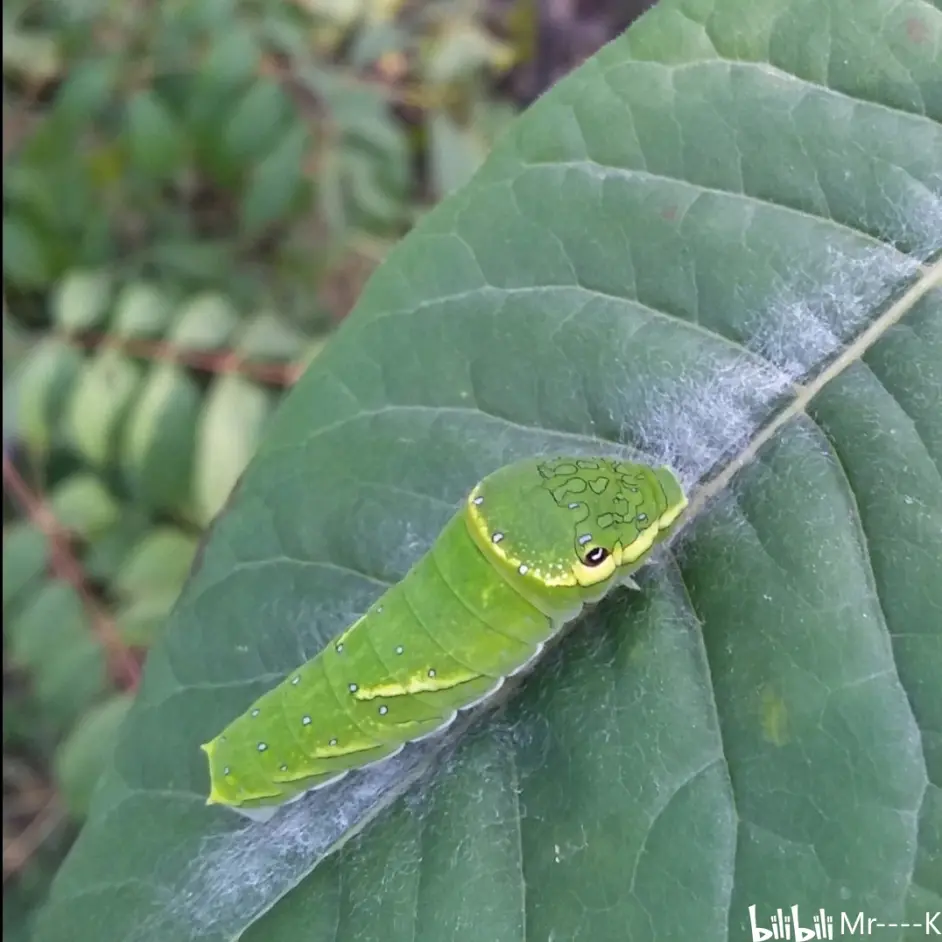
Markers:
228,69
233,58
105,391
83,505
25,258
268,337
156,144
31,55
109,549
17,342
82,299
70,679
368,189
52,639
25,554
159,436
208,16
158,564
275,182
375,40
86,752
462,51
456,153
141,310
342,13
27,187
233,416
331,199
86,90
141,621
491,119
44,382
203,260
205,323
257,122
367,172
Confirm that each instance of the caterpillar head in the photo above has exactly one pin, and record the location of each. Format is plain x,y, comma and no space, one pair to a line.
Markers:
563,523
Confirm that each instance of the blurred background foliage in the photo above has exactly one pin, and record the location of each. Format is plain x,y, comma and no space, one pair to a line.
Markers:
193,195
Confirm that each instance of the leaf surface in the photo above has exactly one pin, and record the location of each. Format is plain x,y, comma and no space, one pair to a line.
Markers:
717,243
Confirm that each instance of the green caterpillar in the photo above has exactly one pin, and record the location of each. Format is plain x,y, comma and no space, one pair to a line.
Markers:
533,543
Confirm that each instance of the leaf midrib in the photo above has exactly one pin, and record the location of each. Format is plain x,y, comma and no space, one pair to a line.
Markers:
805,393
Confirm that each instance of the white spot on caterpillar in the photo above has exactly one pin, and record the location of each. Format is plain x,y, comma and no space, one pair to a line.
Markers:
383,710
332,742
641,517
225,771
573,505
256,711
283,768
497,537
379,608
431,672
296,680
584,538
305,720
339,649
353,688
524,569
262,746
399,649
478,501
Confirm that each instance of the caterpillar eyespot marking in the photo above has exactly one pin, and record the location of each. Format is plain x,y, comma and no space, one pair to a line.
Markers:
534,543
596,556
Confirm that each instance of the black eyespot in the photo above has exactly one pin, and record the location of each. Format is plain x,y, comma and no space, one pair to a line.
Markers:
596,556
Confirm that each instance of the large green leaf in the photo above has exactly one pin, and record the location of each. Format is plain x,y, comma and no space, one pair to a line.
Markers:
716,243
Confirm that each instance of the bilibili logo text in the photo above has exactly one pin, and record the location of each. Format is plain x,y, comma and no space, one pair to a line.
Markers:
787,926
